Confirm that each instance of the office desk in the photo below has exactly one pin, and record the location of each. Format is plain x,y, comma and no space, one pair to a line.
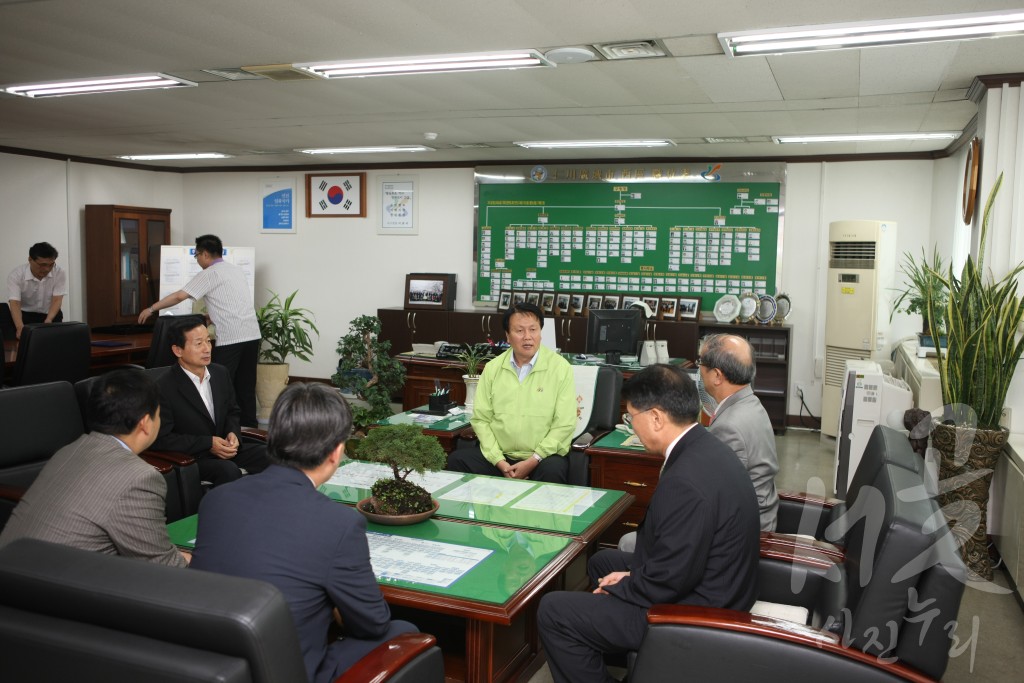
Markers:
485,619
446,430
614,466
130,348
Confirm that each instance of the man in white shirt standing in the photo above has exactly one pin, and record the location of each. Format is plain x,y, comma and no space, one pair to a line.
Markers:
35,290
230,307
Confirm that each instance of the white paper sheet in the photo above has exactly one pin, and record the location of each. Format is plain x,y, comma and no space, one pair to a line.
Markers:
563,500
489,491
418,561
362,475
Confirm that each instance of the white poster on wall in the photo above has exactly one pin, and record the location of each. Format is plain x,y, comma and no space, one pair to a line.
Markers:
178,266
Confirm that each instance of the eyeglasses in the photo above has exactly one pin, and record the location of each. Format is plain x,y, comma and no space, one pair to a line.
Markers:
627,419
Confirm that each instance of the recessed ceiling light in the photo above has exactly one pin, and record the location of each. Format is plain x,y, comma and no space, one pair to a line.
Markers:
865,137
581,144
165,157
872,34
368,150
519,59
103,84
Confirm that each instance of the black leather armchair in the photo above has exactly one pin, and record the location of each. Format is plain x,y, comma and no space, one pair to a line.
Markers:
36,421
53,352
603,416
160,354
888,613
68,614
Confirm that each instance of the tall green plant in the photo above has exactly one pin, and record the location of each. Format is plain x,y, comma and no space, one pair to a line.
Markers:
982,318
922,280
366,367
285,330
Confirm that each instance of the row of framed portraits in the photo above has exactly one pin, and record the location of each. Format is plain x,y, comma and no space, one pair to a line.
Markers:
581,303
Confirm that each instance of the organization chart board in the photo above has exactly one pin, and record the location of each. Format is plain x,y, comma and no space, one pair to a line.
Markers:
703,238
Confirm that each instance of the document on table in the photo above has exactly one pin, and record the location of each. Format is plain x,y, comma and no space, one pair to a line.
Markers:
632,442
562,500
362,475
418,561
489,491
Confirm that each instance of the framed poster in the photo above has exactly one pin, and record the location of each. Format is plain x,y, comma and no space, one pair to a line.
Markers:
398,210
430,290
277,197
336,195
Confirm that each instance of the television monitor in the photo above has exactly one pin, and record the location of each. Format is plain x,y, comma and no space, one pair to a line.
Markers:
614,332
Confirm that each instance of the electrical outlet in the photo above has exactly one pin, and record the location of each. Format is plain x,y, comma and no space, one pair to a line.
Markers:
1006,418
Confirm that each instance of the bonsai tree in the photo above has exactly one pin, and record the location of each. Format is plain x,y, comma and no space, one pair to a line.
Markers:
923,281
285,330
405,449
366,368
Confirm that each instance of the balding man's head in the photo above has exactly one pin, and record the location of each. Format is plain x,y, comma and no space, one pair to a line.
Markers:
731,355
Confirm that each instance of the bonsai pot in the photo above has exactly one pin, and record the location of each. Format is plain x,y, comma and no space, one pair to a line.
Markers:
395,520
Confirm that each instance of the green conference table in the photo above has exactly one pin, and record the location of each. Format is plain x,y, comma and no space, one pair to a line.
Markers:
485,617
446,429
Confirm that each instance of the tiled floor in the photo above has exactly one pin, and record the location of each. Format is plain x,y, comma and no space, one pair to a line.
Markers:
995,650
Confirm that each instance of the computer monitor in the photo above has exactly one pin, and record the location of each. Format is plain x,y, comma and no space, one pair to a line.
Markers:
614,332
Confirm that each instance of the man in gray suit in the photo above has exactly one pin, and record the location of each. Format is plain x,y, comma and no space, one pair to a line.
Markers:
737,416
96,493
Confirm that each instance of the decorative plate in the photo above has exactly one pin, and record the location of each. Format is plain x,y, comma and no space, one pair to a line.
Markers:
766,309
748,306
785,307
727,308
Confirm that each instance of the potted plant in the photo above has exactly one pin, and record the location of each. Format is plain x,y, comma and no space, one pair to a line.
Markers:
366,369
982,316
474,358
285,331
923,279
405,449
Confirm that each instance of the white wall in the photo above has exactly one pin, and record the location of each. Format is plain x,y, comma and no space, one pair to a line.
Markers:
343,268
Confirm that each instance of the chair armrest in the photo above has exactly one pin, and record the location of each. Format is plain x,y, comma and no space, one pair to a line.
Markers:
596,435
162,466
254,434
387,659
808,514
797,540
718,637
468,434
11,493
173,457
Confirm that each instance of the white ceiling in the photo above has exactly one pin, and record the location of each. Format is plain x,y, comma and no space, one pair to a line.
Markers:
697,92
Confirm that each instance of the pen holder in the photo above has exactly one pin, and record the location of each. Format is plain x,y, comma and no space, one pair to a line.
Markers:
439,403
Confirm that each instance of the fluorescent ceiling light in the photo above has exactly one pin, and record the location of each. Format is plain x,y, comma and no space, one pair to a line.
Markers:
584,144
494,176
872,34
98,85
368,150
166,157
427,64
865,137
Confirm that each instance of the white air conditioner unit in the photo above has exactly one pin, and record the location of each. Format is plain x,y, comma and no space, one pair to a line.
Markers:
861,276
869,398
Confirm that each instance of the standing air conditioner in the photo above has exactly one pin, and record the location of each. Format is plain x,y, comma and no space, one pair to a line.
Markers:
861,275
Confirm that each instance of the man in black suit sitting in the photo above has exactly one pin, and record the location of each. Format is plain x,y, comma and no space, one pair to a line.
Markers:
200,415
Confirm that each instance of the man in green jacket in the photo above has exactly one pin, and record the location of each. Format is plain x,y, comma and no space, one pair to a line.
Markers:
525,408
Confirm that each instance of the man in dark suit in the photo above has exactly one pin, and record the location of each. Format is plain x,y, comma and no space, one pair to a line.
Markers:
277,527
200,414
697,545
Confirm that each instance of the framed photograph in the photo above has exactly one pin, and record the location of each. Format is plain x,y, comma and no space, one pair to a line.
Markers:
547,302
398,208
335,195
576,304
593,303
689,307
628,300
435,291
504,300
518,298
562,304
667,308
533,298
652,302
611,301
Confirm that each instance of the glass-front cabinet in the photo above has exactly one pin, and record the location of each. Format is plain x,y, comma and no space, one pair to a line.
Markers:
122,261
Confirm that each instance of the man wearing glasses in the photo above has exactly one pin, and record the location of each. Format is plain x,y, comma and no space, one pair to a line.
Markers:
35,290
698,544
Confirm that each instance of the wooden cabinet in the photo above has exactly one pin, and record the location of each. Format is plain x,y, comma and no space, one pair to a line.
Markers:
681,336
420,374
122,261
771,345
570,333
473,327
404,328
631,471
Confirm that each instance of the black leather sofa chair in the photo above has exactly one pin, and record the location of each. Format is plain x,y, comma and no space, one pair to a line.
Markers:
67,614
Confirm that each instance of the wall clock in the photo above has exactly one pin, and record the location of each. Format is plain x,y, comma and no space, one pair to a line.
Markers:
970,193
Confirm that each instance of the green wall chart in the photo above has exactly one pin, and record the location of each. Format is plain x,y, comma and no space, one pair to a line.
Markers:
627,236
